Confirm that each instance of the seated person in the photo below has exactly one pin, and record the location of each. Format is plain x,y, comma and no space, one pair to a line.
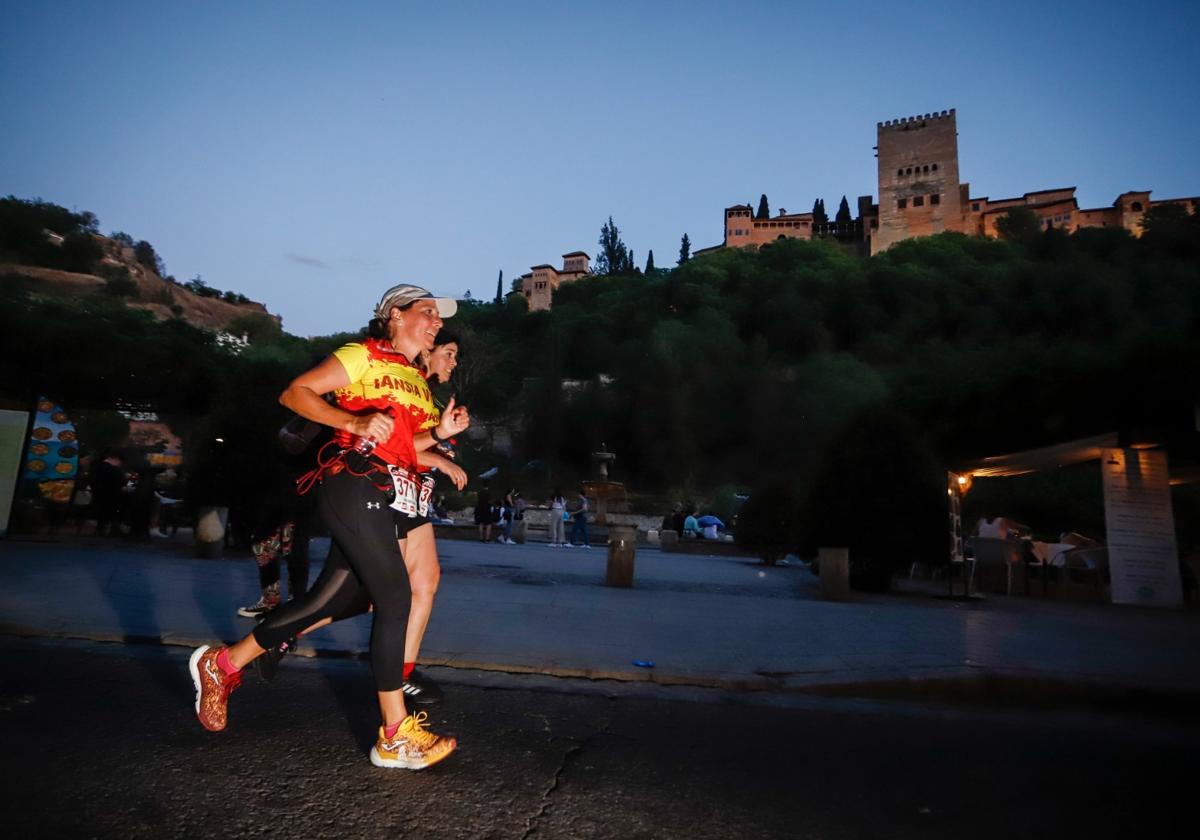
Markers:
998,528
673,521
691,528
709,525
438,514
1078,540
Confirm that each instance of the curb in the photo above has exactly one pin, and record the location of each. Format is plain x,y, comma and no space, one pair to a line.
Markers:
969,685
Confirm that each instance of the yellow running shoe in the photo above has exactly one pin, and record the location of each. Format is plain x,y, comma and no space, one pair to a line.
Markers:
414,747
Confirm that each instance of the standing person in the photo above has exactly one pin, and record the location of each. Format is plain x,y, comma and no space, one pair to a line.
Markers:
579,520
484,513
508,516
558,516
382,402
107,480
282,529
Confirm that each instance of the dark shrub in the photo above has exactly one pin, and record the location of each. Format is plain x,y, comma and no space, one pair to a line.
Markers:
768,524
881,494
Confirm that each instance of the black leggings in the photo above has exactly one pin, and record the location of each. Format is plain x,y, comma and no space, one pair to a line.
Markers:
364,566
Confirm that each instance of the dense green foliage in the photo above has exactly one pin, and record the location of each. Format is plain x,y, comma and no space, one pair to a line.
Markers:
742,362
23,238
752,367
797,365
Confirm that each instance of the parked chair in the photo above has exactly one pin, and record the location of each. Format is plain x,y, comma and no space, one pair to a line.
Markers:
996,560
1084,573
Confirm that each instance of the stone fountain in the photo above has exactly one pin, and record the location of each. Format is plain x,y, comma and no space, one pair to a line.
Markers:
601,489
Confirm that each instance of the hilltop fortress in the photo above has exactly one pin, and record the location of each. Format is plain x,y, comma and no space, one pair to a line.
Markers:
920,194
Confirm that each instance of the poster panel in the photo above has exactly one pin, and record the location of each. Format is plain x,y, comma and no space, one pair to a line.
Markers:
1142,555
12,443
53,461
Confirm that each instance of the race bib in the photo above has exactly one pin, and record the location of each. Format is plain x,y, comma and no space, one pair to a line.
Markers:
413,493
425,498
407,495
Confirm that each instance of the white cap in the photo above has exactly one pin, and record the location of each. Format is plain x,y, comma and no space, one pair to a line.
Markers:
406,293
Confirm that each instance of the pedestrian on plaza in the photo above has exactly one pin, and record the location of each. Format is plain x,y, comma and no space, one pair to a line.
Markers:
691,526
558,519
282,528
485,514
107,480
579,519
508,516
366,475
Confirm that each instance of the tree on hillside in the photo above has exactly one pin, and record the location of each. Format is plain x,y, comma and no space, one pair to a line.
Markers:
144,253
614,257
818,212
843,214
685,250
764,210
650,262
500,287
1170,230
1020,224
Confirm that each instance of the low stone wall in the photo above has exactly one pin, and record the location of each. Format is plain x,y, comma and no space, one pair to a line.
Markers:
692,545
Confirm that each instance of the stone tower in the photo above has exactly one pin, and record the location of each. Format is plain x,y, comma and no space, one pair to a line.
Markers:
919,191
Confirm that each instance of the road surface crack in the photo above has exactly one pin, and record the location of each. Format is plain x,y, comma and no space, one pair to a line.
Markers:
569,758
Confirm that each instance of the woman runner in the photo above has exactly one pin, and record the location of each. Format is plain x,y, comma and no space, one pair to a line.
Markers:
382,403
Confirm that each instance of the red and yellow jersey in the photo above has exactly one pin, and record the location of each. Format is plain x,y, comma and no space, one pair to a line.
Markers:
383,380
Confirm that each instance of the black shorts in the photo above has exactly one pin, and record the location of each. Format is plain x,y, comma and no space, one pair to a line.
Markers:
405,523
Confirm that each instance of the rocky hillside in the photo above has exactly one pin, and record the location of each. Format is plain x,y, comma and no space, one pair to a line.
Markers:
163,298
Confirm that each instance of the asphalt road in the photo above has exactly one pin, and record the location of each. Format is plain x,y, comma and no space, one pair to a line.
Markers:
101,741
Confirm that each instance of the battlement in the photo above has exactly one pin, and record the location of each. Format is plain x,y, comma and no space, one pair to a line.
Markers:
904,123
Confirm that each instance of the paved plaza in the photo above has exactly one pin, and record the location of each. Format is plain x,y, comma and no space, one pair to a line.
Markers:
725,622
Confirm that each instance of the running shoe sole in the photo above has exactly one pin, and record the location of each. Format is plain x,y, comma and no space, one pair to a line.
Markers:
194,669
380,761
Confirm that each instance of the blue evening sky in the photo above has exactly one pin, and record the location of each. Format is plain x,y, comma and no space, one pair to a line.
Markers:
310,154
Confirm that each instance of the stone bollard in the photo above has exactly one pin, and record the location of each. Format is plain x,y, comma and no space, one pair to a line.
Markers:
518,531
668,540
210,531
835,573
622,548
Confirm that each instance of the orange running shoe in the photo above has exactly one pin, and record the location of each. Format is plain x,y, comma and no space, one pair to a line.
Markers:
213,687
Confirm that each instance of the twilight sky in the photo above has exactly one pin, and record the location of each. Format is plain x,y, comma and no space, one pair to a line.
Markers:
310,154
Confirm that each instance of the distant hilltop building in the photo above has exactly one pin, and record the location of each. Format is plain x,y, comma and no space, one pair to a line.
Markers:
539,284
920,194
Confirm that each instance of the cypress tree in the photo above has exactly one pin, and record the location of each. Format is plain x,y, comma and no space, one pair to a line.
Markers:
764,211
685,250
500,286
650,262
843,213
818,212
